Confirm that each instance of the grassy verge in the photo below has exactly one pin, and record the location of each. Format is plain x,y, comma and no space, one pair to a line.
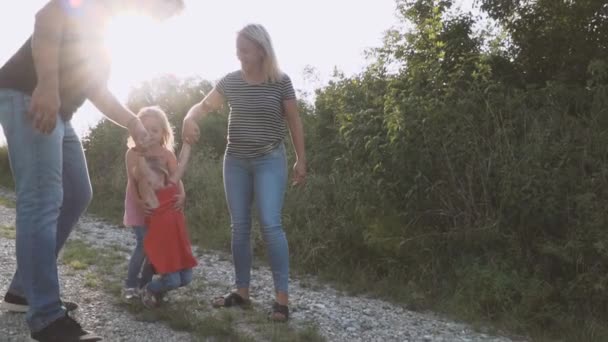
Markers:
108,266
7,202
312,232
7,232
6,179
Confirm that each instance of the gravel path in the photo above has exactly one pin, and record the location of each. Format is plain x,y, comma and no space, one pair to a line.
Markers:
339,317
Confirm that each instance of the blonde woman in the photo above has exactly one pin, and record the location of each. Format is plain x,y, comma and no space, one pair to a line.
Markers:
262,105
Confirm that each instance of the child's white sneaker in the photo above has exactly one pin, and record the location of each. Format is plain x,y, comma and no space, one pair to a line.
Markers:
130,293
163,297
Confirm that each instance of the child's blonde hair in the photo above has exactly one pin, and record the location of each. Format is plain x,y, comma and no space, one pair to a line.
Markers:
156,112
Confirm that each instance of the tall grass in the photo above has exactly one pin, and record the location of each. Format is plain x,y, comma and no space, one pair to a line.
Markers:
6,179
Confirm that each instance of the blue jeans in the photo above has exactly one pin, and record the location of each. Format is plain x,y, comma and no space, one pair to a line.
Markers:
138,263
53,190
170,281
264,180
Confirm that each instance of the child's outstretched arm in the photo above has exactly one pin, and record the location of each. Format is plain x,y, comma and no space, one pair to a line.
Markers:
144,174
182,163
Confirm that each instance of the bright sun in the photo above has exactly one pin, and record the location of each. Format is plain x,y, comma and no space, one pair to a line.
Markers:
140,48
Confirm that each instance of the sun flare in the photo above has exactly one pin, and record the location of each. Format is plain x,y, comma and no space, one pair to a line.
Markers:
136,44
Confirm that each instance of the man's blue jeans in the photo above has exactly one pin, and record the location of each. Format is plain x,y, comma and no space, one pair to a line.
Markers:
264,180
53,190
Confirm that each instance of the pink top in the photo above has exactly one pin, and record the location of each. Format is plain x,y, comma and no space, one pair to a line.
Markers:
134,215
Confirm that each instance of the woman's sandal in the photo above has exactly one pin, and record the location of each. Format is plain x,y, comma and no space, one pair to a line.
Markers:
279,313
230,300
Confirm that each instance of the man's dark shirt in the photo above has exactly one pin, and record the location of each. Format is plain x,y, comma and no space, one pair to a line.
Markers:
83,65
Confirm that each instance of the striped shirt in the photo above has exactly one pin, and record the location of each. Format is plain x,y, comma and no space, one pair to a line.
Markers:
256,124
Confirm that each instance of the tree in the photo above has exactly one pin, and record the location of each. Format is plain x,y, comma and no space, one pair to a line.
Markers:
553,40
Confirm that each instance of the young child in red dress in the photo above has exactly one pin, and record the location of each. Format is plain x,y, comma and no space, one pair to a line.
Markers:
166,244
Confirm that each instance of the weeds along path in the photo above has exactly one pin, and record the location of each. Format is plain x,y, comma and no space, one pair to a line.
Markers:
93,265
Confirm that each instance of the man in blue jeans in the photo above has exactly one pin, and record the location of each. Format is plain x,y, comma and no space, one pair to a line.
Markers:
60,66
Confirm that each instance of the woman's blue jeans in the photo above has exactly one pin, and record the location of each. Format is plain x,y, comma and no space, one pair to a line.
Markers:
261,180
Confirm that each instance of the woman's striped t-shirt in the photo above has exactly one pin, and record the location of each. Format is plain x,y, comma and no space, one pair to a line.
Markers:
256,124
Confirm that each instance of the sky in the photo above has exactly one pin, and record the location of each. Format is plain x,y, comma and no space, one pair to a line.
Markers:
323,34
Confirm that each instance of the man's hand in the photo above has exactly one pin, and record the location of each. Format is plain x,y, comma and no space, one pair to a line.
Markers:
145,207
44,108
140,135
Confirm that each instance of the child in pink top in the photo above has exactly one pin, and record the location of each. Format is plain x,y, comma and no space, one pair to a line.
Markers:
134,217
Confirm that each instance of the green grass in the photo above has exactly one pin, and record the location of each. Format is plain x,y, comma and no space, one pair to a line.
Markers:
78,255
8,232
91,280
6,178
108,266
7,202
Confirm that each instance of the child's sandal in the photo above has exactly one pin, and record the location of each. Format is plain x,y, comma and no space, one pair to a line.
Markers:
279,313
230,300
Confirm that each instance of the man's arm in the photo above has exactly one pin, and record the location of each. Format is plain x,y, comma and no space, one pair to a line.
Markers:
48,32
111,108
46,41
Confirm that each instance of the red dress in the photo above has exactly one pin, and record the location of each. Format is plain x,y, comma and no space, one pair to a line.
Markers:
166,244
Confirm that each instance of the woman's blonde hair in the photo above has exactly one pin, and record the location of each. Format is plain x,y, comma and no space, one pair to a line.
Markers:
258,34
156,112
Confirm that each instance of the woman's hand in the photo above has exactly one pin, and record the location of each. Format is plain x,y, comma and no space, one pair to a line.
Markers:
190,130
299,172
